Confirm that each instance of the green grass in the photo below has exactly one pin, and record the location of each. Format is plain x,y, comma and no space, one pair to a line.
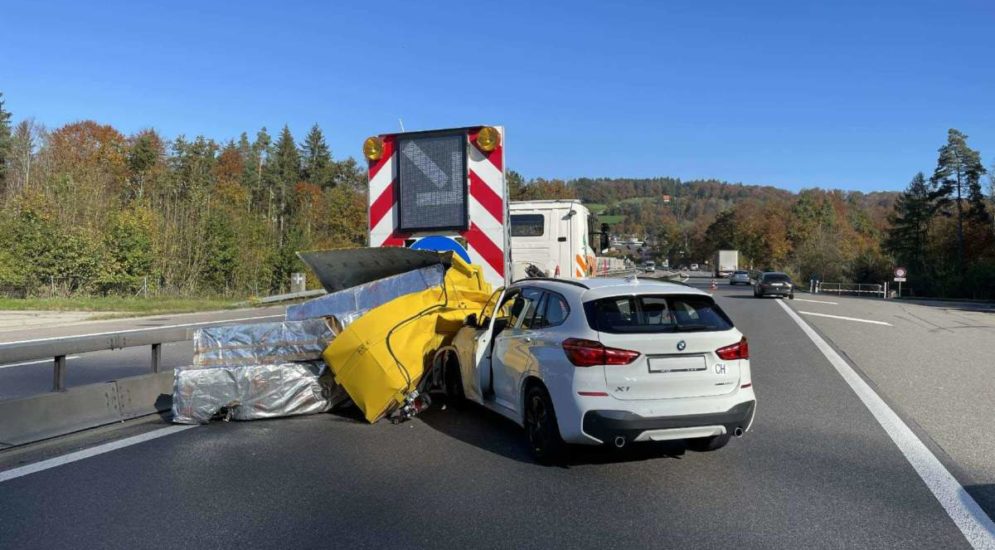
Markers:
596,207
120,304
611,220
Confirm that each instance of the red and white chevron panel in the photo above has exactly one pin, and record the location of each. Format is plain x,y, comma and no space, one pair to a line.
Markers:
487,235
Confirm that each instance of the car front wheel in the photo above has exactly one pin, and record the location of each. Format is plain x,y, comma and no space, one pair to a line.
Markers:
540,427
706,444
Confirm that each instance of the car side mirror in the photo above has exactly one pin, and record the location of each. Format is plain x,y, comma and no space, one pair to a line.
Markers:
470,321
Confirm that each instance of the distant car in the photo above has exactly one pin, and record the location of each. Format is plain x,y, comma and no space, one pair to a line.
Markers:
649,267
604,362
774,283
739,277
694,267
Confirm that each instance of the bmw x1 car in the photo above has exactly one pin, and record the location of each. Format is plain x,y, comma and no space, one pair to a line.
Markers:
605,362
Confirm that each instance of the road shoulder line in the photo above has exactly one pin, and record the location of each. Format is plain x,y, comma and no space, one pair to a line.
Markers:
43,465
973,522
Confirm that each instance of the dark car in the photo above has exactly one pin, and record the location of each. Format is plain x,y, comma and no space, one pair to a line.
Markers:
774,283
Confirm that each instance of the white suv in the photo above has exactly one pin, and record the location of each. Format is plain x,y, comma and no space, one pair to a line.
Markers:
605,361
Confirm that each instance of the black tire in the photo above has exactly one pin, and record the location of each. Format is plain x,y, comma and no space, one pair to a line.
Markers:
708,444
541,429
791,296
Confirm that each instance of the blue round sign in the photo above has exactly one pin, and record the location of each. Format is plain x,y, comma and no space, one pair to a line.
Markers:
442,244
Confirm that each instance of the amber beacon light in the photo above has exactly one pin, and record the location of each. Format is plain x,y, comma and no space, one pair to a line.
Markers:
488,139
373,148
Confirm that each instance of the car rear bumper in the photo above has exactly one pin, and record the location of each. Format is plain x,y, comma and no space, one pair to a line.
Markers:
607,425
775,292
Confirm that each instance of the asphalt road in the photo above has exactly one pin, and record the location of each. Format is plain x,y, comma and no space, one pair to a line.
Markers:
932,362
33,377
816,471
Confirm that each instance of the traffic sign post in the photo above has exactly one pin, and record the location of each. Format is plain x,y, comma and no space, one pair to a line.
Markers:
901,275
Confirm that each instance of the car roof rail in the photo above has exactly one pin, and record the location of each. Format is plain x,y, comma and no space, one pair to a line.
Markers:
554,280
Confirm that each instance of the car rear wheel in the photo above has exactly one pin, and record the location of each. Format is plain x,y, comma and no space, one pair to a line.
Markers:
540,427
706,444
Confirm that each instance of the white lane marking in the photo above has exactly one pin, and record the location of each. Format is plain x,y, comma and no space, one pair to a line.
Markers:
844,318
972,521
215,322
816,301
22,471
38,362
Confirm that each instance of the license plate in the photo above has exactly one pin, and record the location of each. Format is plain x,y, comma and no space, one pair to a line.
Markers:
677,363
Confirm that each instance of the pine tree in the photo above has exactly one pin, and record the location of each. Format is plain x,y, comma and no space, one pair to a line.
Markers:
285,172
262,194
957,179
317,166
910,222
5,144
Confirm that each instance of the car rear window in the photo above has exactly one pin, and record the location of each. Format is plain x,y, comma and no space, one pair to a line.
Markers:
652,313
776,278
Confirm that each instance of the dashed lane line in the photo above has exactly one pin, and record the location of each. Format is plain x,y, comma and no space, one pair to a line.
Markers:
844,318
977,527
816,301
43,465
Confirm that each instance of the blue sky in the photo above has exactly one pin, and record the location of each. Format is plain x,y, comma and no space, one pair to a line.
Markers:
853,95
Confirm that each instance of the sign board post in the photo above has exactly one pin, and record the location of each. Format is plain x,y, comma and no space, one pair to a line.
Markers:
901,275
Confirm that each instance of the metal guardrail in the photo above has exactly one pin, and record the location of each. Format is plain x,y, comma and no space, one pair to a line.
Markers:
60,347
291,296
852,288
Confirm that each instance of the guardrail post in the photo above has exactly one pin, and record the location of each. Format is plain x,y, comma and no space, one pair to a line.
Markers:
156,356
59,374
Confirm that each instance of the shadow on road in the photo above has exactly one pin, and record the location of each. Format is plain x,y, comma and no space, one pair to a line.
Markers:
492,432
984,495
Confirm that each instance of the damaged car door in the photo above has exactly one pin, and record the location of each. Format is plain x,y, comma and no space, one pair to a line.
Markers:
474,347
511,357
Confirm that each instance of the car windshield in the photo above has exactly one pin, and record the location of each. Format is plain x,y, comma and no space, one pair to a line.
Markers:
654,313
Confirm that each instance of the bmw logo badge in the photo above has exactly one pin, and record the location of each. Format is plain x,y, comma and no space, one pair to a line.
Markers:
681,345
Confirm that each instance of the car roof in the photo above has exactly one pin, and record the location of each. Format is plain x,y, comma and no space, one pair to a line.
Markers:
774,273
600,287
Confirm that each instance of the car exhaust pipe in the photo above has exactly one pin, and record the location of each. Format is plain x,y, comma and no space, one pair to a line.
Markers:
619,442
738,432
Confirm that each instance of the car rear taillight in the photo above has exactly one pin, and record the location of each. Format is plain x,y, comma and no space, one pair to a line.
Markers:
739,350
590,353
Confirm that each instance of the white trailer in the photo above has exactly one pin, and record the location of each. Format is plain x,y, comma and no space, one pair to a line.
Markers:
726,262
551,235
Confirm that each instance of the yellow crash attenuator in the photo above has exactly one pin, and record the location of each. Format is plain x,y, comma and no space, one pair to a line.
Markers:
381,357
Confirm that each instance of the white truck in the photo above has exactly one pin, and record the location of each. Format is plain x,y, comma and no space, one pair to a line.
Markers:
726,262
551,236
